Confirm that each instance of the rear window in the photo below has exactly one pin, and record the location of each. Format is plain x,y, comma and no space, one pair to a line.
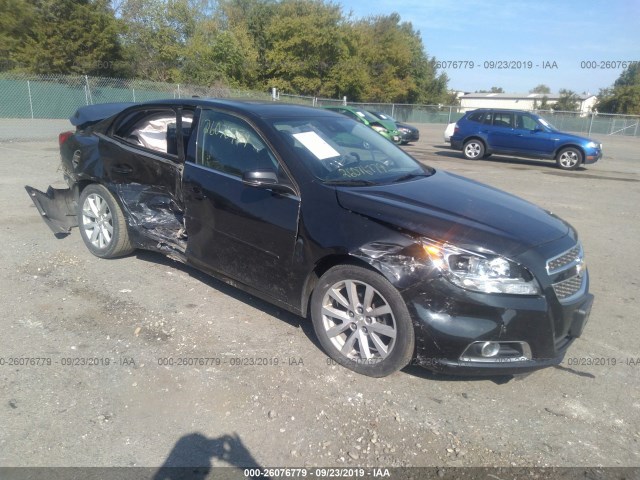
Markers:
503,119
475,117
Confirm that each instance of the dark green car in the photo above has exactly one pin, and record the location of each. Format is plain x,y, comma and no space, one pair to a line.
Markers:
386,128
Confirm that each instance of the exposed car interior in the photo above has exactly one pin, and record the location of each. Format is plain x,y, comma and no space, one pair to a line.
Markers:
231,146
156,131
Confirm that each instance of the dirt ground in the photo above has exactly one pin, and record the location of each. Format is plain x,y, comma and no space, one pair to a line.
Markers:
105,388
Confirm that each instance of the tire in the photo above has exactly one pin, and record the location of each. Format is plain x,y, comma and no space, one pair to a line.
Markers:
102,225
569,158
473,149
375,346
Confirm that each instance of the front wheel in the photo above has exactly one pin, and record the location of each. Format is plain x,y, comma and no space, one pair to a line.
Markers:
569,158
361,321
473,149
102,224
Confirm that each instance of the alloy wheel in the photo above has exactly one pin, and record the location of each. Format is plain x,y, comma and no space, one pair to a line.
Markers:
97,221
358,321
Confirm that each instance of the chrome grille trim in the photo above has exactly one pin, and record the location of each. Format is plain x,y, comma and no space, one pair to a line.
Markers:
565,260
569,287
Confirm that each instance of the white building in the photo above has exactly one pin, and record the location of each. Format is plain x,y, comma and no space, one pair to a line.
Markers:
526,101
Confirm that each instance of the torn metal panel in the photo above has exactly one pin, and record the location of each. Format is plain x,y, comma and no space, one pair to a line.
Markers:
57,208
154,215
400,264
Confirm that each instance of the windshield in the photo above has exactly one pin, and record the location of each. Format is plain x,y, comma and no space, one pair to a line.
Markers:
343,152
370,117
546,124
384,116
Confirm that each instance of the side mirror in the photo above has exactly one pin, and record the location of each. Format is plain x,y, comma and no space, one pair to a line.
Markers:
267,179
260,178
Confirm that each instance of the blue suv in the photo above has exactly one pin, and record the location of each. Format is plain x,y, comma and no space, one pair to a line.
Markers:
480,133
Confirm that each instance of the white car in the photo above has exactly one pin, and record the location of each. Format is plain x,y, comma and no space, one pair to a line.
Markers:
449,131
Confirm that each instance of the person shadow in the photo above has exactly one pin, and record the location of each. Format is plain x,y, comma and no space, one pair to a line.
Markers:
192,455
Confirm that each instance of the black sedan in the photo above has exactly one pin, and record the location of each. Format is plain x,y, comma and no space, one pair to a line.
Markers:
408,133
393,261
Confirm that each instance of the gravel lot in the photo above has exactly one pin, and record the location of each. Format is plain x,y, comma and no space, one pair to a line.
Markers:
296,409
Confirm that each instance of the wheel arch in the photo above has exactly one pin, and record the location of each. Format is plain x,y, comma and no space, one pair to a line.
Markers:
475,137
480,139
571,145
81,185
321,267
84,183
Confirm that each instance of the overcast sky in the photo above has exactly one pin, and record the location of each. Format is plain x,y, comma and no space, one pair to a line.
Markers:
542,32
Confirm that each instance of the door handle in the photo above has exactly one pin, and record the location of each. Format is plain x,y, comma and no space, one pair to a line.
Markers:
122,169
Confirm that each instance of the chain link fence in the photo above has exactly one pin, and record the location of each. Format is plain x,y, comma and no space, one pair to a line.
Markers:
577,122
37,107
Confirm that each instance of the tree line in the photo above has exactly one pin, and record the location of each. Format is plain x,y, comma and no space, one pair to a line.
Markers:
308,47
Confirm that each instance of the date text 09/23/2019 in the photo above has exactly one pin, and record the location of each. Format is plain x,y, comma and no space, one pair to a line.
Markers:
504,64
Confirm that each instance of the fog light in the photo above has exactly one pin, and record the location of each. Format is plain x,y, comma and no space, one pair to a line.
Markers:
489,349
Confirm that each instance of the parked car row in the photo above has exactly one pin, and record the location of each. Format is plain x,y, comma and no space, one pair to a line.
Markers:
483,132
385,125
408,133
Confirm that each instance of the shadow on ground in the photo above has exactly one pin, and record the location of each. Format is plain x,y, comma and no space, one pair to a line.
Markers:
192,457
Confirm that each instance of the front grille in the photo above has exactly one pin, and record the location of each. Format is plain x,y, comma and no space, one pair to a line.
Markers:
565,260
568,287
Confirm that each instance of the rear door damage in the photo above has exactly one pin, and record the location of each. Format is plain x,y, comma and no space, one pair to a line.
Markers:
140,167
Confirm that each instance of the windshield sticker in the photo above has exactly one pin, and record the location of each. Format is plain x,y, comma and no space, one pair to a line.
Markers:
316,145
360,114
544,122
363,171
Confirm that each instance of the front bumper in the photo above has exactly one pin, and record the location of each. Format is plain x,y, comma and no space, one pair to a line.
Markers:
450,322
409,136
592,155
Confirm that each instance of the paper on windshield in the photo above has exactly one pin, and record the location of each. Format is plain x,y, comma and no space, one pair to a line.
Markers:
316,145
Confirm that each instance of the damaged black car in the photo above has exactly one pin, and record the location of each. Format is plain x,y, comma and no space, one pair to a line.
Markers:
394,262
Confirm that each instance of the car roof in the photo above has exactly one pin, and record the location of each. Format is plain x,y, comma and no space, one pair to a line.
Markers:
511,110
344,107
253,108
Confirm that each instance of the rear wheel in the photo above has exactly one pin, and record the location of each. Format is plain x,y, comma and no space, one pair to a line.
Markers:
362,321
569,158
102,224
473,149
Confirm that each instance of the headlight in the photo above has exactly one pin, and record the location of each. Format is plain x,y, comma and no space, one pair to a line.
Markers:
593,145
404,130
379,129
481,272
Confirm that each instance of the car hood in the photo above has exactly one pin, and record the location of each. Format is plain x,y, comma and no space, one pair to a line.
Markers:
570,137
405,125
447,207
389,125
